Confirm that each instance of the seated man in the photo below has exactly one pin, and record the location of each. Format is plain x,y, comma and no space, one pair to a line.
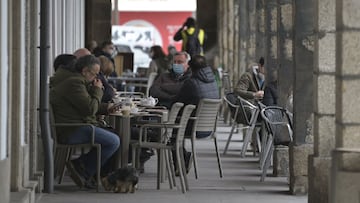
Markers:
168,84
251,84
77,100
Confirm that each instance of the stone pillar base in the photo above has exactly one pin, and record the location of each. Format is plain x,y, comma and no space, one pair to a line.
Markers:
319,173
298,159
281,161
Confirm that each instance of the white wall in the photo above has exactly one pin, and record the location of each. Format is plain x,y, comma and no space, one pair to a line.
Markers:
3,78
68,26
22,72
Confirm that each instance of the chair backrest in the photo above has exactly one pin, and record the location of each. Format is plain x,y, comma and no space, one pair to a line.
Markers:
241,110
206,114
131,94
188,109
52,126
151,79
276,120
174,111
226,83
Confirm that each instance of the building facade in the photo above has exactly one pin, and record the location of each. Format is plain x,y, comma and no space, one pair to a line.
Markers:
21,159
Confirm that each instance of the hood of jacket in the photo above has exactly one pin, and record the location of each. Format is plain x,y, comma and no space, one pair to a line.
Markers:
60,75
205,75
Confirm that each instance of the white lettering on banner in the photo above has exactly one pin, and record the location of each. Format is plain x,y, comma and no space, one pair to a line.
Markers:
131,35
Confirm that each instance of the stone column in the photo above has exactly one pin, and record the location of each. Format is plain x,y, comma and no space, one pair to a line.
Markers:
284,70
206,18
303,94
236,41
220,31
345,179
243,38
97,24
18,147
230,37
271,38
34,72
324,101
252,32
260,29
224,30
285,59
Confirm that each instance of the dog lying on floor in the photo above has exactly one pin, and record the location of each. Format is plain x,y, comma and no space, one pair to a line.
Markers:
123,180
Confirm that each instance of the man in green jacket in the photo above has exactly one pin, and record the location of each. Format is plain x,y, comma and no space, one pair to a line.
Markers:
77,99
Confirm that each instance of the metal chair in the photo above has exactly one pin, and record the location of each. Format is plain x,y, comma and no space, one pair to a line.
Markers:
226,88
149,83
274,118
245,113
205,120
130,94
62,152
164,145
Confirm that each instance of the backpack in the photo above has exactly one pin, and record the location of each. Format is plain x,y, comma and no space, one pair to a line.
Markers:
193,46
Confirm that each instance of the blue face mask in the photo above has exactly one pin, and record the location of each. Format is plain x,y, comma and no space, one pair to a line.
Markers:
178,68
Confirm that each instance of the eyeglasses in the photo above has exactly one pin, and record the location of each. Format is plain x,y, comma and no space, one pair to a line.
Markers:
94,74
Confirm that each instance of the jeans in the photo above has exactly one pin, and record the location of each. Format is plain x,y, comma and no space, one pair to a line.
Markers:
109,142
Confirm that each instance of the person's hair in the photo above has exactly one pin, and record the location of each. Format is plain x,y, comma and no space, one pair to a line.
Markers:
262,61
66,61
91,45
105,43
81,52
158,52
87,61
106,65
187,56
197,62
190,22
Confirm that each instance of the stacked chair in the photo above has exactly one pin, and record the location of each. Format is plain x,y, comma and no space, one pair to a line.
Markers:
239,108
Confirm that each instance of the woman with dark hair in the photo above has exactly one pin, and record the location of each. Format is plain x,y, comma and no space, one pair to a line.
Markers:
159,63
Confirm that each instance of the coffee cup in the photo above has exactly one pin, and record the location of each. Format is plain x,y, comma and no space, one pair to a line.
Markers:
126,111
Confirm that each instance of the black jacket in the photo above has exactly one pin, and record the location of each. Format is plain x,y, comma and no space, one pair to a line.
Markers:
202,84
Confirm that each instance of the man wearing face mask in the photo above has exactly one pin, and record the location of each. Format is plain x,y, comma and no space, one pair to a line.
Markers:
251,84
168,84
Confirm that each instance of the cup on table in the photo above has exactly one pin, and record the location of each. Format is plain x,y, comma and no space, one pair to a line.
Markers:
125,110
116,99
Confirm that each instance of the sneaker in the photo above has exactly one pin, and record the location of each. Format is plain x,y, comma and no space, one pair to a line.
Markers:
74,173
90,184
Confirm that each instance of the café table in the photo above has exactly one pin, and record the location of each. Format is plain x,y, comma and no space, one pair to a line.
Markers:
122,124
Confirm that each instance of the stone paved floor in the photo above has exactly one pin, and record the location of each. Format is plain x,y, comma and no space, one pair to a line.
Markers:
239,184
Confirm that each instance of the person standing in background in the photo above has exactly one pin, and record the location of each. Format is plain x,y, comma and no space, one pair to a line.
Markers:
192,37
159,63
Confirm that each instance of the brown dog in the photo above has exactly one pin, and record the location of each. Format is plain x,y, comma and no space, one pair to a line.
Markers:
123,180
